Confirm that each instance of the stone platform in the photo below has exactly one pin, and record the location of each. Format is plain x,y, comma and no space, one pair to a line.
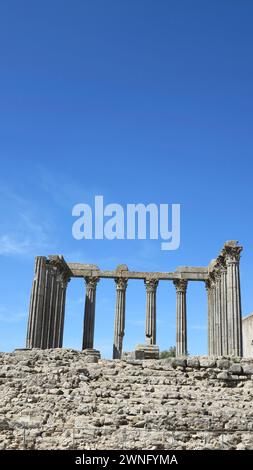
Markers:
57,399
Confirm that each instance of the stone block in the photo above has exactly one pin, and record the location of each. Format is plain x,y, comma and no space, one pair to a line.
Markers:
208,363
139,354
223,363
193,362
248,369
224,376
178,362
235,369
91,355
144,351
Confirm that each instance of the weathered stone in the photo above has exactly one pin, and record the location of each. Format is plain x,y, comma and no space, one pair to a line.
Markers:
119,322
224,375
209,363
248,369
247,329
179,362
223,363
145,351
193,362
91,355
89,312
235,369
141,395
181,333
222,278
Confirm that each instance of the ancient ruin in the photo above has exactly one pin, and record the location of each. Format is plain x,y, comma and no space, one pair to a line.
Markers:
65,399
221,278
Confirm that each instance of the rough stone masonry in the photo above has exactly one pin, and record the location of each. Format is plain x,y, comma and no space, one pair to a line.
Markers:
66,399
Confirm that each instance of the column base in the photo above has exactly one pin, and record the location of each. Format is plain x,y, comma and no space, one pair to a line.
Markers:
24,349
146,351
92,355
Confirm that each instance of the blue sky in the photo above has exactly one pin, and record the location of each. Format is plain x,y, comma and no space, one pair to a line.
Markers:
138,101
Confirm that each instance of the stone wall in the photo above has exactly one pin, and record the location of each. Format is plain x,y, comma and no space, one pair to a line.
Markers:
61,398
247,335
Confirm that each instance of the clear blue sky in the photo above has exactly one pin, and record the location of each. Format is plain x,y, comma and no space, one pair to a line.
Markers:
140,101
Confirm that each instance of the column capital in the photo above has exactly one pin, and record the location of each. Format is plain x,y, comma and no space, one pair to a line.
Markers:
63,278
212,279
217,273
151,284
208,284
181,285
232,252
58,265
121,283
91,282
221,263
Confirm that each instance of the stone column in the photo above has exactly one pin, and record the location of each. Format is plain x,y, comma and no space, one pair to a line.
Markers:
181,326
119,324
224,319
218,320
51,301
47,304
35,322
89,313
64,284
55,305
209,316
59,313
151,286
46,316
231,252
56,312
212,334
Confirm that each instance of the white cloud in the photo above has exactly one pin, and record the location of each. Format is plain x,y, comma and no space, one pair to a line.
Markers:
63,190
20,231
7,316
10,245
27,241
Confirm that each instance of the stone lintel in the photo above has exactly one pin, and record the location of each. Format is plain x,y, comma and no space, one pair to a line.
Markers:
86,270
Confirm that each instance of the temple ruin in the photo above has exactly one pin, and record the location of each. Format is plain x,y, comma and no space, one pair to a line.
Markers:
222,282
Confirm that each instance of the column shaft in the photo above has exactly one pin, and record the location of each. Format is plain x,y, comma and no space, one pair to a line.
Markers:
181,322
151,286
234,310
224,312
46,305
35,322
232,256
51,302
210,316
89,313
62,312
218,326
119,324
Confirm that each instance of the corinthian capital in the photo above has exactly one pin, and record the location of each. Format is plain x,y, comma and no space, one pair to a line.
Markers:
232,252
121,283
180,284
91,282
208,284
63,278
151,284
